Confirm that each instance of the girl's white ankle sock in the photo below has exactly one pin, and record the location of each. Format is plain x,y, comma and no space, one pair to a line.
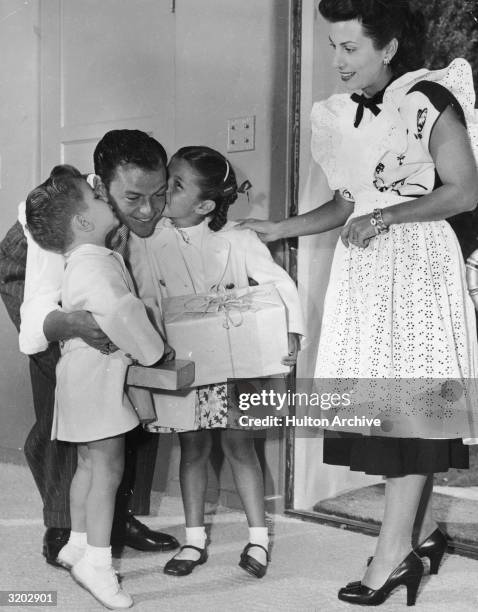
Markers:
195,536
259,535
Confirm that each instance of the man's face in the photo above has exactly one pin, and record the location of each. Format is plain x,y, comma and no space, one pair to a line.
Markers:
138,197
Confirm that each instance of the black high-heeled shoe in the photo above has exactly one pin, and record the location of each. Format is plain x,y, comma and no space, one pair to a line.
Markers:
408,573
251,565
183,567
433,547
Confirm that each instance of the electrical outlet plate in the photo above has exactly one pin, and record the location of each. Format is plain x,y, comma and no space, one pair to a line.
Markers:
241,134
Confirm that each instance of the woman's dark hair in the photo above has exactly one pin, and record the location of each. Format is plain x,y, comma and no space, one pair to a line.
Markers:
120,147
217,180
383,20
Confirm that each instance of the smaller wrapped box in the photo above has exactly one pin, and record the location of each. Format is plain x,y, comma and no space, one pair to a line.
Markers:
170,375
240,333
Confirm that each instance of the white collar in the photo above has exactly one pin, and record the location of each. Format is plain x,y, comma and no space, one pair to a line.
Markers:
88,249
190,235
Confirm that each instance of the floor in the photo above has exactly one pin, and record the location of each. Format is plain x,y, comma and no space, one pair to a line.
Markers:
310,562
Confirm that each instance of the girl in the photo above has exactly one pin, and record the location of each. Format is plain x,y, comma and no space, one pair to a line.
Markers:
202,253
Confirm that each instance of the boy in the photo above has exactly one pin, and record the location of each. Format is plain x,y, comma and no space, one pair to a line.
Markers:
66,216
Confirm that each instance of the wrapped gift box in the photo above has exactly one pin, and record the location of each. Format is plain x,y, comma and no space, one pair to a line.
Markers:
240,333
155,390
170,375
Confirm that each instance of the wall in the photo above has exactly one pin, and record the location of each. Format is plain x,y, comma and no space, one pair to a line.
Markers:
19,172
231,61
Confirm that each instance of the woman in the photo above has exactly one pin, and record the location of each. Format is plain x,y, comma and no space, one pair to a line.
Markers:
399,161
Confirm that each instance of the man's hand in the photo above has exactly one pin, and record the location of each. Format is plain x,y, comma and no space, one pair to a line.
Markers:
88,330
169,353
294,348
101,193
61,325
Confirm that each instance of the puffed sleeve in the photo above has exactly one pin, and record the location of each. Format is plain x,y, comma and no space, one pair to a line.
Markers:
326,139
424,104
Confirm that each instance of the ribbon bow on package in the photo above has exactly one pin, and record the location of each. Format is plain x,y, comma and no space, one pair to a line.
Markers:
230,304
240,333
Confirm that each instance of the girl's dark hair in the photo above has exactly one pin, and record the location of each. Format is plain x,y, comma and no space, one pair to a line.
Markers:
217,180
383,20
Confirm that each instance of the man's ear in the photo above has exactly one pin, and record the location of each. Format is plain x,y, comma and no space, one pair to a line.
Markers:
205,207
82,224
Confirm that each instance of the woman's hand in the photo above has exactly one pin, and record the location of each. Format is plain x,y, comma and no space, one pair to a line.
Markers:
266,230
358,231
294,348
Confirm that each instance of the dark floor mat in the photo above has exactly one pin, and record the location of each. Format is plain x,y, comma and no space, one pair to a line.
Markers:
461,478
459,517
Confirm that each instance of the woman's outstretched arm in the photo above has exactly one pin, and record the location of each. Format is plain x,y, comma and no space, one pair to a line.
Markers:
330,215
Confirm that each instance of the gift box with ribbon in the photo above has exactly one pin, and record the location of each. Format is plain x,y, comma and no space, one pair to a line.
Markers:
239,333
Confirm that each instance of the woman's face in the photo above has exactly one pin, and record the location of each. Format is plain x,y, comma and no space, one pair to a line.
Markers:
360,65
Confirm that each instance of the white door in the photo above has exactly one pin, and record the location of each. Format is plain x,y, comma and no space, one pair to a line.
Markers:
104,65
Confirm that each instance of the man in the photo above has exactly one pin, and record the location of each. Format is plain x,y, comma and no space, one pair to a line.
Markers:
132,166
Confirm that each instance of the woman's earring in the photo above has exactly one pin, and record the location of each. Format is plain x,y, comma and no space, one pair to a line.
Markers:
386,61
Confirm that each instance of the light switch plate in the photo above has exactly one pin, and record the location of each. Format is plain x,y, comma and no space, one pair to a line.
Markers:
241,133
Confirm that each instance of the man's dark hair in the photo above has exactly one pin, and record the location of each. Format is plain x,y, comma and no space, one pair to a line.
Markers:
120,147
51,206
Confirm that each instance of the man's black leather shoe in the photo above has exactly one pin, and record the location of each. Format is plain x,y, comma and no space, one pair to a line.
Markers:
139,536
53,540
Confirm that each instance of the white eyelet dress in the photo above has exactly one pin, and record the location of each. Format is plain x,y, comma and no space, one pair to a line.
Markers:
398,309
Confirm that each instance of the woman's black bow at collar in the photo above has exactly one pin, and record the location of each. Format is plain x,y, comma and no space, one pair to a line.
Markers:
364,102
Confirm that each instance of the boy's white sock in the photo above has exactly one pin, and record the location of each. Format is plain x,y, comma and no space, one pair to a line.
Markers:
78,538
98,555
73,550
